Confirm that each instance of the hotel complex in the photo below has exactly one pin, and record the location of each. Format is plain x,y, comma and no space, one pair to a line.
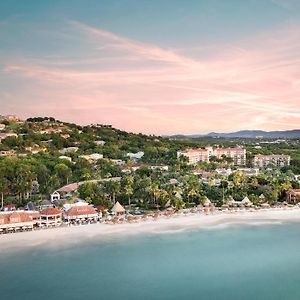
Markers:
264,161
194,156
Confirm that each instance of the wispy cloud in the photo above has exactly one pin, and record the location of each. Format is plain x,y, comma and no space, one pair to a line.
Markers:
142,86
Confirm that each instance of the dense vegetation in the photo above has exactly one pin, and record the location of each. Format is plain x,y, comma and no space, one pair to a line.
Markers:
36,168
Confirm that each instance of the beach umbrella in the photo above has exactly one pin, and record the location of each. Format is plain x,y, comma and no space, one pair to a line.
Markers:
207,202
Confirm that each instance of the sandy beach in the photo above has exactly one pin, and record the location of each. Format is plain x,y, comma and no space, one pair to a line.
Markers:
78,234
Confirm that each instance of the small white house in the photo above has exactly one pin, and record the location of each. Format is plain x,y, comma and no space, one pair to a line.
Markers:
100,143
55,196
135,156
92,157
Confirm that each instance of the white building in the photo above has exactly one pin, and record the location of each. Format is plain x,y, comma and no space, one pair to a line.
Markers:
135,156
274,160
92,157
100,143
68,150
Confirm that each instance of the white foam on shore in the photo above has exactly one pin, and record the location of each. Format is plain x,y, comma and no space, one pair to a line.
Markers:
70,236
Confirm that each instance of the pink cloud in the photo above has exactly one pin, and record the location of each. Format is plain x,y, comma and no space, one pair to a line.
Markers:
253,84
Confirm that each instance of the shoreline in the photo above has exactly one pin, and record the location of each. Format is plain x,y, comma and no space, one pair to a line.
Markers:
64,236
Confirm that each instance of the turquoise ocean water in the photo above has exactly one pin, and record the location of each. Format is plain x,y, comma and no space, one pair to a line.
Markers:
238,262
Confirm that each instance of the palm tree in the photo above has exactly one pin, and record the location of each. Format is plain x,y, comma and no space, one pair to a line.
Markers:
112,188
155,191
128,191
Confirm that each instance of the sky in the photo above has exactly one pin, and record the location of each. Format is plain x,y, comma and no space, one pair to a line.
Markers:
153,66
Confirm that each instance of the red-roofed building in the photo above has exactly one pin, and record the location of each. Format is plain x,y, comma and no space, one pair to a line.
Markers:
51,216
18,220
80,213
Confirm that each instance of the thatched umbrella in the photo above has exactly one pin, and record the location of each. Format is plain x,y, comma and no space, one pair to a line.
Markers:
118,209
207,202
246,201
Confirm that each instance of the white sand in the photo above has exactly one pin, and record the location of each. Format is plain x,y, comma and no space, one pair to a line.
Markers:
73,235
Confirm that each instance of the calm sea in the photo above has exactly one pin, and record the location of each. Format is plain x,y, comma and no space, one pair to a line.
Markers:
238,262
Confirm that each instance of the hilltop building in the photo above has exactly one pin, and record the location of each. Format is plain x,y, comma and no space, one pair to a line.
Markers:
274,160
194,156
7,134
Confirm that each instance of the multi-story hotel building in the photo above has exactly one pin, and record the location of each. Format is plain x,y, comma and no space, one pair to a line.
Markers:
194,156
274,160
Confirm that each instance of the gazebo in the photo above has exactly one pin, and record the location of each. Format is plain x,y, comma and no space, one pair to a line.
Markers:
118,209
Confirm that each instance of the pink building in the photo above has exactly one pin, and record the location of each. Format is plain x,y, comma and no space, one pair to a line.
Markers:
194,156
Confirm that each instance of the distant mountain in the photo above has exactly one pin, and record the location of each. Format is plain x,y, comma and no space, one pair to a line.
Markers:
245,134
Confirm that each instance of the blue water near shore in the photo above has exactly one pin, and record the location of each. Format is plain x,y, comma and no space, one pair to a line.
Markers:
238,262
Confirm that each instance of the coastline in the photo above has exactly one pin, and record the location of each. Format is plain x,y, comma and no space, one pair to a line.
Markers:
79,234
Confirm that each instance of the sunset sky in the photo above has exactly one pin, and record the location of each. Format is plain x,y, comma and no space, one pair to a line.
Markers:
155,66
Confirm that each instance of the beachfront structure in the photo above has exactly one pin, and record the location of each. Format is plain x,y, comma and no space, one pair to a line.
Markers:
238,155
293,195
51,216
18,221
118,209
274,160
81,213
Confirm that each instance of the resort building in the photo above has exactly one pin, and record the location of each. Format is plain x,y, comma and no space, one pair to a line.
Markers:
18,221
86,213
51,216
274,160
293,195
238,155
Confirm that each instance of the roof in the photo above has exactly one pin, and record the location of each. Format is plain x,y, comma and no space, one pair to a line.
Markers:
15,217
294,192
51,211
72,187
46,202
207,202
246,201
81,210
118,208
101,207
